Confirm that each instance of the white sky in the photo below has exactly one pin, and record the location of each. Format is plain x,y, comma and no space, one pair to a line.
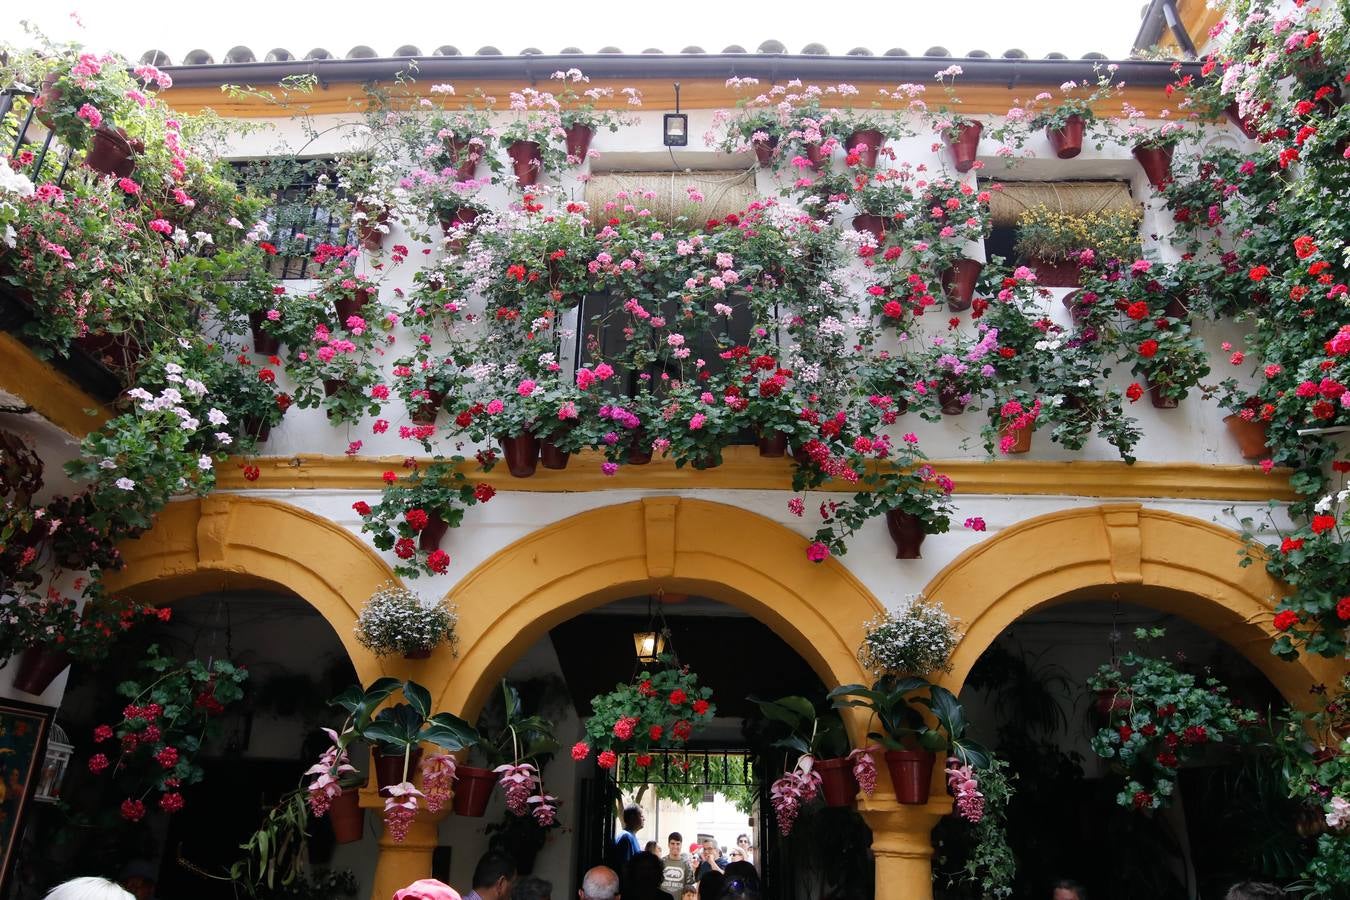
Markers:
174,26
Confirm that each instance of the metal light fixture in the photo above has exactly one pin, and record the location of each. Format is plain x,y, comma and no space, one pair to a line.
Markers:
675,126
649,645
54,763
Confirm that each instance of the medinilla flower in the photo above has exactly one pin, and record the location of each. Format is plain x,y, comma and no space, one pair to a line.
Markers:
331,766
961,781
545,808
518,782
400,808
438,775
865,768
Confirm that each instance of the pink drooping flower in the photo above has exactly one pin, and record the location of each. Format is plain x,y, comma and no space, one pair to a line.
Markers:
438,775
332,765
961,782
518,782
865,768
545,808
400,808
792,790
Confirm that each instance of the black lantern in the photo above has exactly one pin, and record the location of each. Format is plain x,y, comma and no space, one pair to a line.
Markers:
675,126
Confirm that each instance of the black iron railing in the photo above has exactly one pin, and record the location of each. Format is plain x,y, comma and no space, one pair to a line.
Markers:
25,139
299,220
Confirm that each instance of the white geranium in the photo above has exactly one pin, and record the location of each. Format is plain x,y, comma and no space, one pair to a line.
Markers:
917,638
397,620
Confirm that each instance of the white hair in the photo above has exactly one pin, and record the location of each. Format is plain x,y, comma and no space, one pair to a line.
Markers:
600,883
88,889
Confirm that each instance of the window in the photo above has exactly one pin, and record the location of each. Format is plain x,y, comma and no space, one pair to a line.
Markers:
1071,197
301,214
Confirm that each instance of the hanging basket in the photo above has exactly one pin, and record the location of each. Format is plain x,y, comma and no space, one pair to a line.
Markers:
1067,141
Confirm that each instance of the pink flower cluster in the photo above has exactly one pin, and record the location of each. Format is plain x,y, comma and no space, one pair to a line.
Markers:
792,790
545,809
518,782
438,775
332,765
400,808
961,782
865,768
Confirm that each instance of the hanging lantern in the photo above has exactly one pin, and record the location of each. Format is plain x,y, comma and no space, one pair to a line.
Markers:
59,751
649,645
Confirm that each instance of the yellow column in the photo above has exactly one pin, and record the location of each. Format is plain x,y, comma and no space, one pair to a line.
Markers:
902,844
400,864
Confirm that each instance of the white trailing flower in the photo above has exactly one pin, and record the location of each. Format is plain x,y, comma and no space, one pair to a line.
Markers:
397,620
917,638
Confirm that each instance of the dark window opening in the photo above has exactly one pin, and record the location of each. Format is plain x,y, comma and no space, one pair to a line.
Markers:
299,216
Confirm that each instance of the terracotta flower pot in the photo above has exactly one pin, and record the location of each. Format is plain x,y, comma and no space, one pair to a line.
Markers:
867,144
525,160
347,817
1156,163
368,231
949,399
1246,124
264,343
389,768
764,149
522,454
1067,142
705,461
551,457
419,653
1110,701
1251,437
260,428
818,157
1057,273
460,218
425,413
110,153
429,540
640,449
38,668
911,774
1021,437
875,225
772,444
907,531
1156,397
352,304
964,145
837,783
332,386
958,283
1077,310
49,95
473,789
578,140
464,155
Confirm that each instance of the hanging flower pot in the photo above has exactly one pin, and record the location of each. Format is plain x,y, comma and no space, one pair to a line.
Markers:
1067,141
463,217
264,343
837,783
526,158
368,230
429,540
352,304
958,283
522,454
764,148
38,668
425,413
817,156
333,386
1109,701
866,143
473,789
1021,437
419,653
464,155
1245,123
553,457
640,449
1078,310
772,444
1156,163
1252,437
1057,273
110,153
49,96
949,399
911,775
907,532
578,139
347,817
1158,398
963,142
260,428
874,225
389,767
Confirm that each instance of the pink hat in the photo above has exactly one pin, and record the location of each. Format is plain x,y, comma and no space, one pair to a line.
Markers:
427,889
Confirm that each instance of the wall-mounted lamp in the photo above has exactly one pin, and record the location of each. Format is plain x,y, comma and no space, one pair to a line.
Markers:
649,645
675,126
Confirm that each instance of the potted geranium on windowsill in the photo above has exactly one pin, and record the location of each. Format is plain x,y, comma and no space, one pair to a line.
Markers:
397,620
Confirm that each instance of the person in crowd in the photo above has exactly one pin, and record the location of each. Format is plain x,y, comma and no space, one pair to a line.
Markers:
626,845
493,877
735,854
532,888
713,860
743,843
138,878
642,879
1254,890
88,889
690,893
599,883
742,882
427,889
710,886
677,874
653,848
1068,889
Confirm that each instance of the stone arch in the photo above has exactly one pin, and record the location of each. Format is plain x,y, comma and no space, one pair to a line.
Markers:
228,541
1150,557
738,557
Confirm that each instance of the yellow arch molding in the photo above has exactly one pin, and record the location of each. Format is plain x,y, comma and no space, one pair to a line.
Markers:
229,542
1154,558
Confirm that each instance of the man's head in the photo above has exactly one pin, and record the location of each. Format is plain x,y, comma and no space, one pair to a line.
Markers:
494,875
675,842
710,848
1068,889
633,818
600,883
743,841
1253,890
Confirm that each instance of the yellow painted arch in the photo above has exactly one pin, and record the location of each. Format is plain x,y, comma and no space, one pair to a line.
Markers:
1159,559
230,542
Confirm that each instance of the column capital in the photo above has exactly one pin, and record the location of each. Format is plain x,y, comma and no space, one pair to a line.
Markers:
902,844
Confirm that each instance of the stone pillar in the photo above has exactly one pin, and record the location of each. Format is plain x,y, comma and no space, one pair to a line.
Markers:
400,864
902,844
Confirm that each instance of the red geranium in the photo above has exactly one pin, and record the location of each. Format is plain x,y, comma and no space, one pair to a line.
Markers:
1148,348
1323,524
678,697
1286,619
607,759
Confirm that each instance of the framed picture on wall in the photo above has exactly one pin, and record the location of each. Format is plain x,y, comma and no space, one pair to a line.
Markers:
23,744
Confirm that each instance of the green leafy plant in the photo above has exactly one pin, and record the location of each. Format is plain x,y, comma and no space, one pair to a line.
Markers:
895,704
